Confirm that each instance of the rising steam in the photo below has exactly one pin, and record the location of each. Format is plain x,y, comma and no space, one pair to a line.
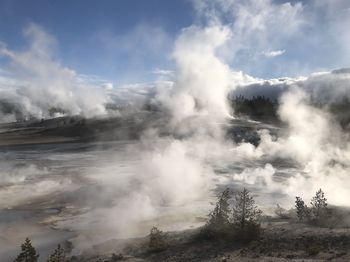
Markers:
43,84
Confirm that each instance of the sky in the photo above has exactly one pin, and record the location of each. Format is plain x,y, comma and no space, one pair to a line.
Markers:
131,41
105,38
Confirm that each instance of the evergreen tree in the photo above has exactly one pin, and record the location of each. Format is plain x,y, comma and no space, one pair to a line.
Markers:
245,212
28,253
302,211
219,217
319,205
58,255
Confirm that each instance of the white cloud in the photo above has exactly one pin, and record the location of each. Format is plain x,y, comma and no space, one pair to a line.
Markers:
163,74
255,25
316,32
274,53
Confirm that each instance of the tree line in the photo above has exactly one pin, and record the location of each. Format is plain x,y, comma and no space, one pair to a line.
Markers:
257,107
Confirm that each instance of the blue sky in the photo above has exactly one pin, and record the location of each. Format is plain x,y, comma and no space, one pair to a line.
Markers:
125,41
83,28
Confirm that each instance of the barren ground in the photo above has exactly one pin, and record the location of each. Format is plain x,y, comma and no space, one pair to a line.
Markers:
281,240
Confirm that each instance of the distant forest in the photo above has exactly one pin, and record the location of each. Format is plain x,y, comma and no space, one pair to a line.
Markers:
264,109
341,111
257,108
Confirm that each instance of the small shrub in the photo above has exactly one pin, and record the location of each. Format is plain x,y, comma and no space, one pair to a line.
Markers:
58,255
117,257
313,250
28,253
156,240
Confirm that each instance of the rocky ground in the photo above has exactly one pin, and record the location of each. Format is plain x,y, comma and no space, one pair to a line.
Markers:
281,240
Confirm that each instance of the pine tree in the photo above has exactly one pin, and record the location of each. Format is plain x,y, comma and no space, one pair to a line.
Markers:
156,239
245,212
219,217
301,208
58,255
319,205
28,253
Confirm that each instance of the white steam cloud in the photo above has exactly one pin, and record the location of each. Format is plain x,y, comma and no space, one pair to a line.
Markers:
43,84
315,142
175,172
202,80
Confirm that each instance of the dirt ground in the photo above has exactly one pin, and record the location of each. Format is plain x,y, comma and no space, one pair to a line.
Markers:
281,240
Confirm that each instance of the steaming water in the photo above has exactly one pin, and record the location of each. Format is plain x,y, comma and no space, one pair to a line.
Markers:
86,190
